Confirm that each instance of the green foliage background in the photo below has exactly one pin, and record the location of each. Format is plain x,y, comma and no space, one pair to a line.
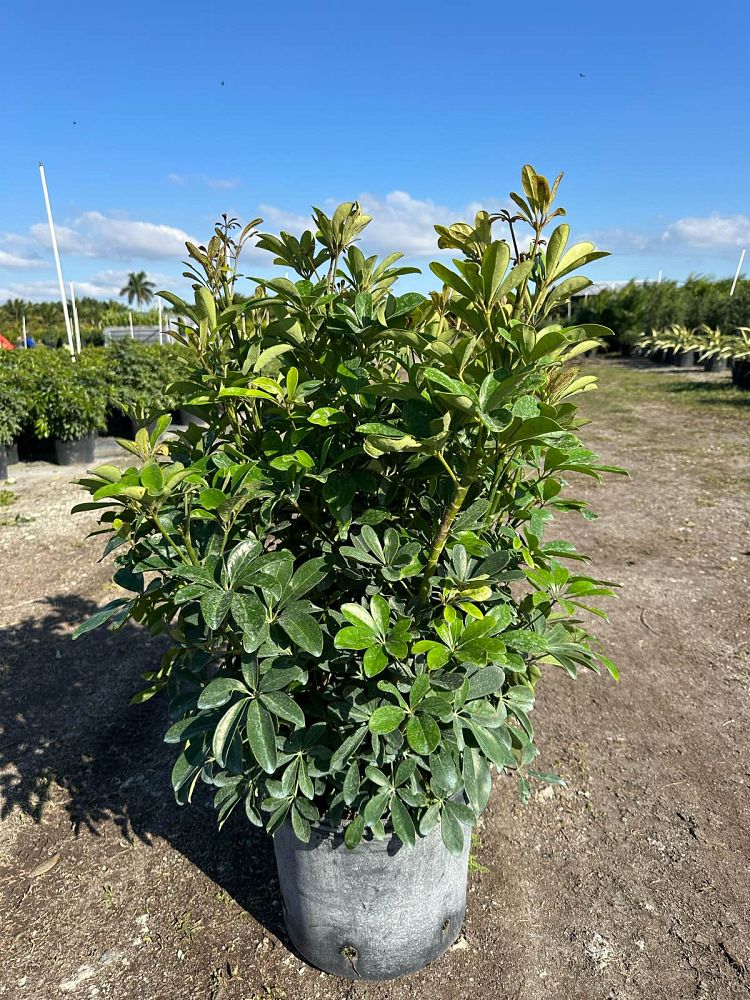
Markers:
642,308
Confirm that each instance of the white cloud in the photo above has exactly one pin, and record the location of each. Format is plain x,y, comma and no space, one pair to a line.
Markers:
222,183
94,234
100,285
711,231
219,183
19,260
400,221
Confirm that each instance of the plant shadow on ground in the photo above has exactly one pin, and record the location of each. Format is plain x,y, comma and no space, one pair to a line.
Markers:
66,724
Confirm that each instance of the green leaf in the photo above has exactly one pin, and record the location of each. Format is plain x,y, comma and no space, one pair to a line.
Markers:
218,692
419,689
351,783
250,614
354,637
477,779
284,706
353,832
403,825
226,728
214,605
346,749
375,661
107,612
422,734
302,629
152,478
308,576
262,736
300,826
379,609
240,561
385,719
211,499
491,746
429,820
375,808
487,680
451,831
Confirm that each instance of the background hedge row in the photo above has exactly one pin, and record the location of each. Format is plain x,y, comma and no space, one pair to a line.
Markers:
635,308
45,394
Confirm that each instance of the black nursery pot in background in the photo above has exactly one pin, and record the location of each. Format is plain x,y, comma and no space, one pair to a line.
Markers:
684,359
715,365
3,463
79,452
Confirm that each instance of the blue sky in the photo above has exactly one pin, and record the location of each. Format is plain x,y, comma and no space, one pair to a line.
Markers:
424,111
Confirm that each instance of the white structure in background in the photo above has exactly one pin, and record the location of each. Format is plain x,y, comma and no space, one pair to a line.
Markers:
145,334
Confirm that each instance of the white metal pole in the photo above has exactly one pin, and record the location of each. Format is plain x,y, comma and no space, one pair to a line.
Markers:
161,326
658,280
130,321
737,273
23,327
60,282
76,327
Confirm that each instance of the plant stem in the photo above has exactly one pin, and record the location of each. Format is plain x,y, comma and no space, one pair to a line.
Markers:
438,543
178,551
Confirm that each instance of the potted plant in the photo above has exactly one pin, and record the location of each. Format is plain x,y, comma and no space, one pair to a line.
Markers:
350,560
138,377
714,348
738,351
13,413
71,407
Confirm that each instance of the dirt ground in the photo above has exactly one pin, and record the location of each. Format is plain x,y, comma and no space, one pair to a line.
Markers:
631,882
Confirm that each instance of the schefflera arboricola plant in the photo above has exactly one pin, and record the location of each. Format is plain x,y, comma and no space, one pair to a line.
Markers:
349,558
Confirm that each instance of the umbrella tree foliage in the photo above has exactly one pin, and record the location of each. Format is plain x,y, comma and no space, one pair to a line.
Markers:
350,560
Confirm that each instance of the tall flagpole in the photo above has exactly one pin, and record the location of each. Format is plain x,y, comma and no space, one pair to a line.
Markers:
60,282
76,327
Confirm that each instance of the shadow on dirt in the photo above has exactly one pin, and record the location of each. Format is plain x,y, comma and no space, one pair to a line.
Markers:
66,721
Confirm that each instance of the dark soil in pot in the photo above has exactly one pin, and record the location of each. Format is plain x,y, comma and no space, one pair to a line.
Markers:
378,912
79,452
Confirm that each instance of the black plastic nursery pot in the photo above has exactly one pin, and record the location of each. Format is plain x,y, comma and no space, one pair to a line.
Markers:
185,418
741,373
683,359
79,452
3,463
715,365
13,454
378,912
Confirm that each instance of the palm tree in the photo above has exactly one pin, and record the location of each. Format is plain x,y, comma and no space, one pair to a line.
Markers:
138,288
